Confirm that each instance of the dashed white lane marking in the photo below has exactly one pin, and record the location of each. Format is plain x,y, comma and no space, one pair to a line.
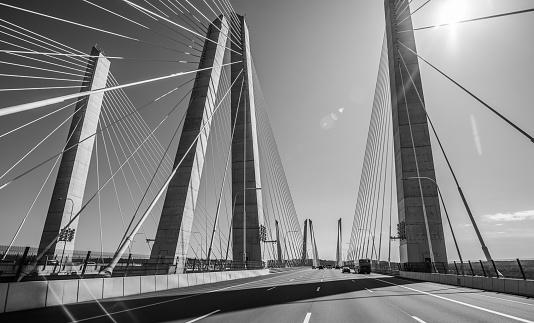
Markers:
300,276
318,288
462,303
271,288
321,280
200,318
353,281
370,291
307,318
418,319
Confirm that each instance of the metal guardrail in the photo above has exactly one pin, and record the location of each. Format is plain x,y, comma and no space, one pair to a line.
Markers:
87,264
509,268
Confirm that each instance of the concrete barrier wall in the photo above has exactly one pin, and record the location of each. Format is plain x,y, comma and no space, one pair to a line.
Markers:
3,297
501,285
132,285
23,296
90,289
28,295
113,287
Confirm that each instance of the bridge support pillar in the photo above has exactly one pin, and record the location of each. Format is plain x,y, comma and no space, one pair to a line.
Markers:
69,188
278,245
174,228
339,245
314,245
304,243
418,204
246,180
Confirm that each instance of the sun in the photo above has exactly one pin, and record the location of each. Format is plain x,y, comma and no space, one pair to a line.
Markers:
452,11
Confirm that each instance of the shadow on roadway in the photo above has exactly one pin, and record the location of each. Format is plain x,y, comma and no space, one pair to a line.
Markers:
174,304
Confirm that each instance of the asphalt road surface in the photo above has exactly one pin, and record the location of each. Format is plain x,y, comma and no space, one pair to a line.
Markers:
304,296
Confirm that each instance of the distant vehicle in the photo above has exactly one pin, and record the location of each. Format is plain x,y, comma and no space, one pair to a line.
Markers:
329,267
313,267
321,267
363,266
337,267
345,270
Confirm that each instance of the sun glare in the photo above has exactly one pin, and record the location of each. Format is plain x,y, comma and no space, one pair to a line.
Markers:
452,11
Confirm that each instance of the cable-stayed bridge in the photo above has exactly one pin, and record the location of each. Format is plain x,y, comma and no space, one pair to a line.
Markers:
205,195
156,153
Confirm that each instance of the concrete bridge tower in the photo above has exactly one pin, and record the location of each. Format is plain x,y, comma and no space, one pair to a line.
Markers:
418,204
175,225
246,180
69,188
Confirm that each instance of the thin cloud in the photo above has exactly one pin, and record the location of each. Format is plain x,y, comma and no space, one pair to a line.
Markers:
516,216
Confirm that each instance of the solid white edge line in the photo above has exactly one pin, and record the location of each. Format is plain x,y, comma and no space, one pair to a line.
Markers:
200,318
503,299
307,318
418,319
271,288
462,303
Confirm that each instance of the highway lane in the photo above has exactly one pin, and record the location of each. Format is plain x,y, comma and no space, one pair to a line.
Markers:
305,296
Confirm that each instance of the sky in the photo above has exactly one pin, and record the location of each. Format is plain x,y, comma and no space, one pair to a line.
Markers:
316,58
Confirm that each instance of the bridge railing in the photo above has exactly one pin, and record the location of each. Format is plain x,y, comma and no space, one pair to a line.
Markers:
87,264
509,268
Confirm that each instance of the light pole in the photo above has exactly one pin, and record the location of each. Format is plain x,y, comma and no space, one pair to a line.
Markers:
285,236
350,253
199,243
372,235
446,213
70,218
131,247
245,223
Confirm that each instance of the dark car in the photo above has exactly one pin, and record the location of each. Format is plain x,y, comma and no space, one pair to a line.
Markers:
321,267
345,270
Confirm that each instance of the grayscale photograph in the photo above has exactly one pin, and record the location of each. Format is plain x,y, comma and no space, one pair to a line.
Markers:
251,161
